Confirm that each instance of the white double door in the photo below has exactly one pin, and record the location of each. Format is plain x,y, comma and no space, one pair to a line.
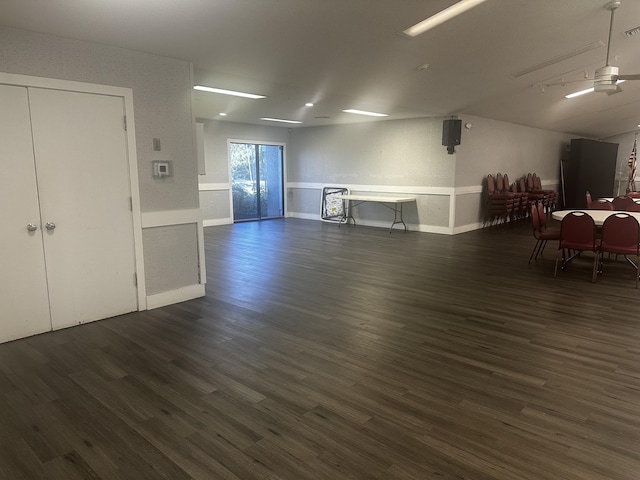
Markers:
66,229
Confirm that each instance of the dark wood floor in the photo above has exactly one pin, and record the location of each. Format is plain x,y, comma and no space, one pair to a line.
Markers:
342,353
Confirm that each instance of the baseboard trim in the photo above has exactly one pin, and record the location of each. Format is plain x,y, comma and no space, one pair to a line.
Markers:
175,296
217,221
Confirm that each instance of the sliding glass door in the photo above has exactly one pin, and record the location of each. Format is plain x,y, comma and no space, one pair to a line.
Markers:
257,180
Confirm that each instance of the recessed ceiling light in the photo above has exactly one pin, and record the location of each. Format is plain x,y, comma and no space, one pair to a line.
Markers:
222,114
279,120
308,104
364,112
441,17
227,92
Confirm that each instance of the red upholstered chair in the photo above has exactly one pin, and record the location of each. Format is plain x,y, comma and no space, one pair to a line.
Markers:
499,204
633,194
634,208
621,235
588,197
540,233
543,220
622,203
520,203
577,234
601,204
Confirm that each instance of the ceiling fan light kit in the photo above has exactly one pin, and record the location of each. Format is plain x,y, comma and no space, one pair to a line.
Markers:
606,79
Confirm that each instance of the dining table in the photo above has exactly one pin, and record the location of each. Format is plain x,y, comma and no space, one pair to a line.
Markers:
610,199
599,216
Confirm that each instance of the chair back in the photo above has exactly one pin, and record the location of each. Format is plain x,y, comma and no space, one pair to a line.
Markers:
499,183
578,232
622,203
633,194
588,196
535,218
507,185
491,184
537,183
601,204
634,208
542,216
521,183
529,182
621,234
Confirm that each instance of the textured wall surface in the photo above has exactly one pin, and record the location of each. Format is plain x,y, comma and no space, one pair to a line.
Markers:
161,97
162,109
177,243
491,146
395,152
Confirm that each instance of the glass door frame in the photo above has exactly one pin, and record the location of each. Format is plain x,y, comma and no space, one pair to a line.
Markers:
284,175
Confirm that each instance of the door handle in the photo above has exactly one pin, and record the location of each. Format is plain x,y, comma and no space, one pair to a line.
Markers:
31,227
50,226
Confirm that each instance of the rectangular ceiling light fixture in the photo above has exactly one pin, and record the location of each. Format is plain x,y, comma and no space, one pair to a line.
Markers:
441,17
227,92
364,112
586,90
581,92
281,120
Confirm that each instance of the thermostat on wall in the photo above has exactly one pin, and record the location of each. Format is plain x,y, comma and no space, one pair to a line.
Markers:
162,169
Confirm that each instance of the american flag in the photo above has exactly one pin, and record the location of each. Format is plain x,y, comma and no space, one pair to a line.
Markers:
632,165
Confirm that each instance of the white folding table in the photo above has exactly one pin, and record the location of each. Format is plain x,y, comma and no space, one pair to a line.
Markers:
392,203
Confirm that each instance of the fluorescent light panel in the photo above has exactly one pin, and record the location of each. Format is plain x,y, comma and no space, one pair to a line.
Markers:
441,17
586,90
279,120
364,112
227,92
581,92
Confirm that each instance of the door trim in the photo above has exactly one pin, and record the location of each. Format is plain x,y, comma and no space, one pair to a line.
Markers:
127,95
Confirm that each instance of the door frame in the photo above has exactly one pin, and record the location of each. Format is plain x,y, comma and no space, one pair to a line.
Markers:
284,170
127,95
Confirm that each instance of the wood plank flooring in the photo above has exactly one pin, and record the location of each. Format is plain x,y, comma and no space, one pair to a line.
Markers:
327,353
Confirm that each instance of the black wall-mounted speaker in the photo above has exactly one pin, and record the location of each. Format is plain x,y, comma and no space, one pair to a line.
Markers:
451,132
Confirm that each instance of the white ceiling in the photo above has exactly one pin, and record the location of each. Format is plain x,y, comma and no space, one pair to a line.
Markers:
348,54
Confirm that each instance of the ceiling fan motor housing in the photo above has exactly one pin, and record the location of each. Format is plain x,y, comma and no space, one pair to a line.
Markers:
605,79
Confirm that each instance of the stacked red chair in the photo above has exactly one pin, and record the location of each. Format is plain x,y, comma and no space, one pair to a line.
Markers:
500,204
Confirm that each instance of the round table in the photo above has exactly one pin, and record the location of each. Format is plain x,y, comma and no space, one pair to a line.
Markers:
599,216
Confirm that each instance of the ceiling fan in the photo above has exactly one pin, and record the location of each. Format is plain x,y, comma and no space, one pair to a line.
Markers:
606,78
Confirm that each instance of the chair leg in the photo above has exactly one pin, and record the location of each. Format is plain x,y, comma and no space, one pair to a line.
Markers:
535,247
541,251
595,267
555,270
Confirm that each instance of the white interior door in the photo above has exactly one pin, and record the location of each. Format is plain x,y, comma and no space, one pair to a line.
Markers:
83,183
24,303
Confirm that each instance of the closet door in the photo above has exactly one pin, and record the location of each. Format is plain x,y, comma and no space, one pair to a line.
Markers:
24,303
83,183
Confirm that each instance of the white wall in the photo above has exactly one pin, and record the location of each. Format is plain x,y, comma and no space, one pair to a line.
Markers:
406,157
492,146
162,105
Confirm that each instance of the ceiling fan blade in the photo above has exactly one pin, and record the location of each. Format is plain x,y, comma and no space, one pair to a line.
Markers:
635,76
